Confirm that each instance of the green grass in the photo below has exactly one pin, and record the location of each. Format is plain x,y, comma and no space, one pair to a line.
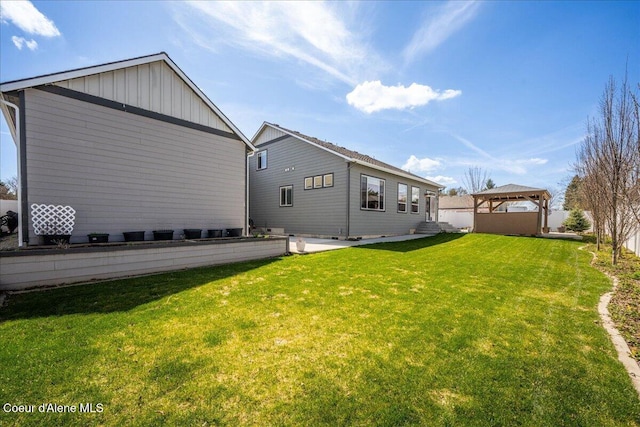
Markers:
625,304
471,330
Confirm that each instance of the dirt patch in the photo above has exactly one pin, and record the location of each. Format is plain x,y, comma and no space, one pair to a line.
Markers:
9,242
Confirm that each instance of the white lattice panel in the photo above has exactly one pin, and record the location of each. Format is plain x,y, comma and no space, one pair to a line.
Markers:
52,219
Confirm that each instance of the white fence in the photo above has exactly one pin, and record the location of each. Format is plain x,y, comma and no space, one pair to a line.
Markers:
464,219
633,244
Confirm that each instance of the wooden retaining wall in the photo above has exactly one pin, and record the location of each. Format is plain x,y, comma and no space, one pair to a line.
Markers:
32,268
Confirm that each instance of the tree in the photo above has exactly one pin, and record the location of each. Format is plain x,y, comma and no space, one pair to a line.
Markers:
475,179
608,163
573,195
489,184
576,221
6,192
456,191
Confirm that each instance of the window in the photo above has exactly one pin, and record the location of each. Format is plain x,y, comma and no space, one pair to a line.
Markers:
402,197
262,160
415,200
371,193
318,181
308,183
286,195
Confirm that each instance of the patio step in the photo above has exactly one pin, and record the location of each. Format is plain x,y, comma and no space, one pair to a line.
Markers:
448,228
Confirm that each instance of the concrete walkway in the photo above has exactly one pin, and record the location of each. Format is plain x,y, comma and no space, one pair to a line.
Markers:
319,245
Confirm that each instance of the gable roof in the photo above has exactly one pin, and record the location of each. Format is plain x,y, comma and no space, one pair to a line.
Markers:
53,78
345,153
512,191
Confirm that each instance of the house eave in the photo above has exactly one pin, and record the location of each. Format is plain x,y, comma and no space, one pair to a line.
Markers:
49,79
347,158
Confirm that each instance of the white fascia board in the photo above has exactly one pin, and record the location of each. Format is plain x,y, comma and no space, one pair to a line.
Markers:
347,158
350,159
396,173
7,118
80,72
207,101
259,131
87,71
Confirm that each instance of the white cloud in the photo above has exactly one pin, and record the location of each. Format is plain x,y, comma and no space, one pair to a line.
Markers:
316,33
444,180
374,96
416,165
25,16
439,27
19,42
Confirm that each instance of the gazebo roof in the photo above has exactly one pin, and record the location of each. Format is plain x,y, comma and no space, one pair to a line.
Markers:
513,192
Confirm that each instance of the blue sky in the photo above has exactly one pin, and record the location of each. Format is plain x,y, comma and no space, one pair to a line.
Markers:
433,87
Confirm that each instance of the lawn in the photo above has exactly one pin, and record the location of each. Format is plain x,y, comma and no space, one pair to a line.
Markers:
470,330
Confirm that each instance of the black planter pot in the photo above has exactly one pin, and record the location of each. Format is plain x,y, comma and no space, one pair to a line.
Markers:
98,238
234,232
192,233
162,234
214,233
133,236
54,239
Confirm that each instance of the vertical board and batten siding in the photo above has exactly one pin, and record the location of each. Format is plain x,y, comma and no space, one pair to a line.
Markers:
123,172
390,221
268,134
320,211
154,87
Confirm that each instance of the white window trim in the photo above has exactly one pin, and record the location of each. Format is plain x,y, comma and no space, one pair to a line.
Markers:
417,203
406,208
310,187
284,187
266,160
384,196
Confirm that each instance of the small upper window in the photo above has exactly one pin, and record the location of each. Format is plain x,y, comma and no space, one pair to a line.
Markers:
317,181
262,160
327,180
308,183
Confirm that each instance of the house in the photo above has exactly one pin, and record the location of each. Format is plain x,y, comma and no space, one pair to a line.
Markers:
305,186
129,145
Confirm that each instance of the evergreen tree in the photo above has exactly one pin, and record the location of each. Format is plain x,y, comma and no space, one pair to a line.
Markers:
577,221
572,196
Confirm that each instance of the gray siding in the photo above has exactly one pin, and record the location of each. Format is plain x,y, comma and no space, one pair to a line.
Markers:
154,87
390,221
319,211
123,172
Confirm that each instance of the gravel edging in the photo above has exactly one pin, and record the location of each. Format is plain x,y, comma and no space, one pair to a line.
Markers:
620,344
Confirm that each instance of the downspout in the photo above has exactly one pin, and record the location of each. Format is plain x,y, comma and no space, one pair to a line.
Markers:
246,192
349,164
16,140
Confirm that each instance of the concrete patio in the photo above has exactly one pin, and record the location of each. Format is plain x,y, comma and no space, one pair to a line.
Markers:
319,245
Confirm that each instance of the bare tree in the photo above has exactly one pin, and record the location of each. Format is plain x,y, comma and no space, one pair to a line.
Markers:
608,163
475,179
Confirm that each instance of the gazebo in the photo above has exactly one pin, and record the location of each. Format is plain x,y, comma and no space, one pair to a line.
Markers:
489,217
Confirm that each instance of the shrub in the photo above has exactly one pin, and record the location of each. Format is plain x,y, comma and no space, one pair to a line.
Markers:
577,221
